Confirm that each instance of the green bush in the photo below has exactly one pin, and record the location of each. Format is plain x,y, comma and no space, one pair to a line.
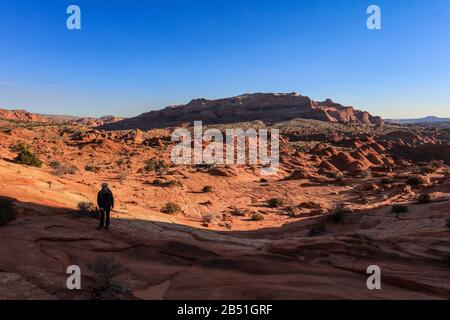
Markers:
28,158
171,208
7,211
385,181
398,208
275,203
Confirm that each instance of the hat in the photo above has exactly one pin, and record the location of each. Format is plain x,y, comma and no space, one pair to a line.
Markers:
104,185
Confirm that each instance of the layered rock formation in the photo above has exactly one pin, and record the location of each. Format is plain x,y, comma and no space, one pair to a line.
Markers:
267,107
21,115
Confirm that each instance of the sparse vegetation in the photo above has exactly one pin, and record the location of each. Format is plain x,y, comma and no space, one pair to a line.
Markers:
64,169
122,176
105,287
160,167
207,189
275,203
386,181
415,181
208,217
432,167
19,147
338,214
54,164
238,212
91,168
7,211
88,208
424,199
171,208
257,216
167,184
28,158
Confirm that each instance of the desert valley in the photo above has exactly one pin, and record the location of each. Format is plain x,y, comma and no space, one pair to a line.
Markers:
352,191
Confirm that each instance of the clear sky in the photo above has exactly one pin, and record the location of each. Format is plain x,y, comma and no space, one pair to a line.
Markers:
134,56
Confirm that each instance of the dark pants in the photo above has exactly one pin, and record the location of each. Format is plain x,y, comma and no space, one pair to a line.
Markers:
104,211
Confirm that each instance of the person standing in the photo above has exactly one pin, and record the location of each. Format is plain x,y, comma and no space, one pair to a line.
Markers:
105,201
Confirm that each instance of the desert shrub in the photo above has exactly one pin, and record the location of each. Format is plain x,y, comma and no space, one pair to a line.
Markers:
19,147
105,286
398,208
257,216
262,180
317,230
54,164
7,211
275,203
88,208
432,166
363,174
385,181
415,181
171,208
120,162
157,183
159,166
64,169
207,189
338,214
173,183
424,199
208,217
91,168
335,175
428,169
238,212
28,158
122,176
167,184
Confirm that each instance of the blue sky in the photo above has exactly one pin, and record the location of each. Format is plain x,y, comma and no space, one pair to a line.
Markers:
134,56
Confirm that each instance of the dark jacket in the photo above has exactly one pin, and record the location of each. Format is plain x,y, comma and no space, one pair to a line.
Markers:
105,199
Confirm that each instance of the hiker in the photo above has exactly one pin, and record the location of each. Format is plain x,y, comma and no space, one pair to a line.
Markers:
105,201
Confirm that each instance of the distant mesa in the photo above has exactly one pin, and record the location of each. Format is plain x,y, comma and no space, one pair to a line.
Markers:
25,116
95,122
21,115
425,120
267,107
